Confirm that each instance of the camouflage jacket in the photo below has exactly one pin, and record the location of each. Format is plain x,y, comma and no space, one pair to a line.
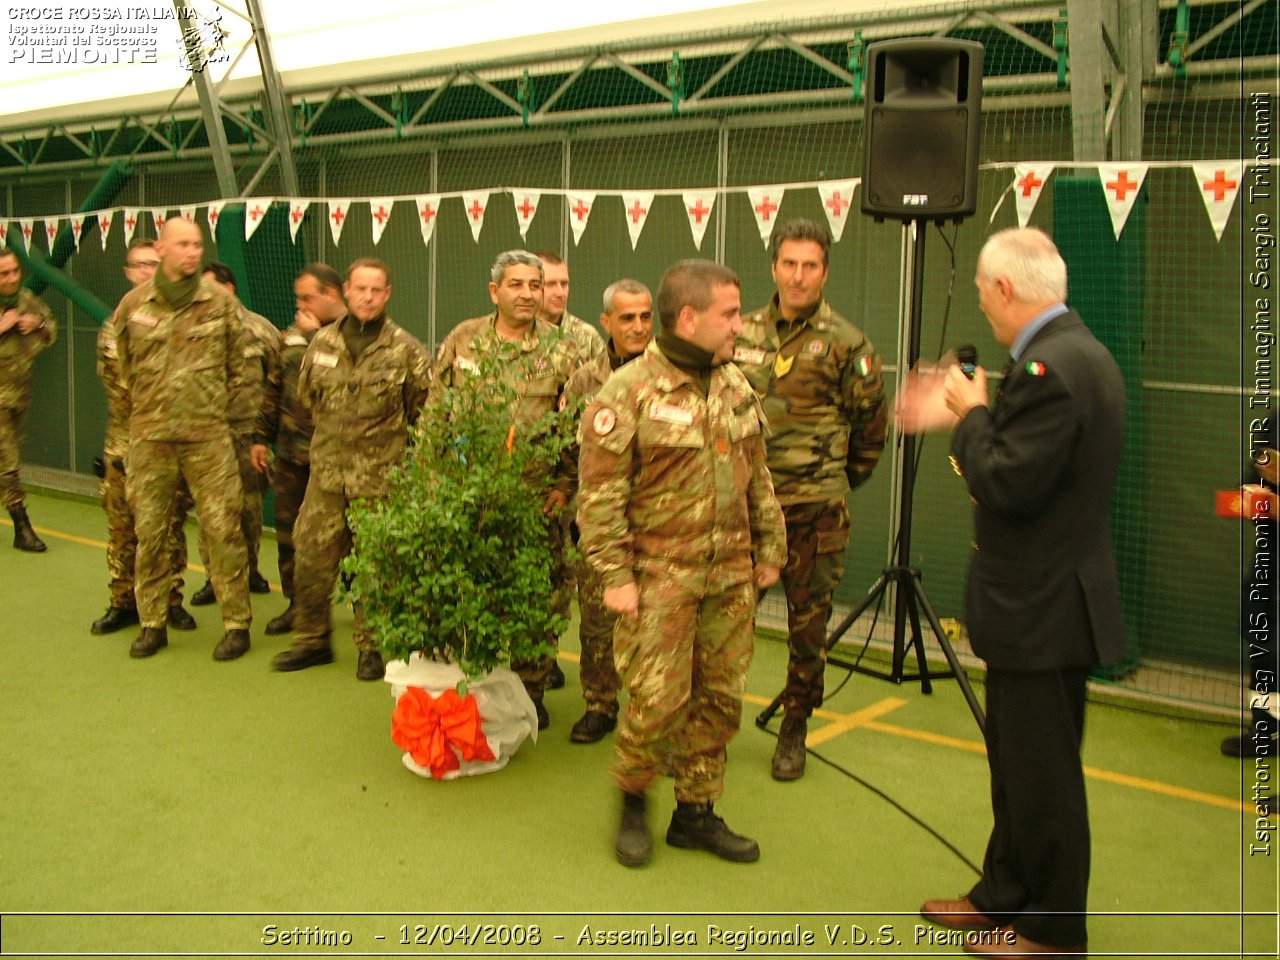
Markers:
581,389
285,420
363,410
18,352
116,443
675,482
590,343
823,396
180,367
262,346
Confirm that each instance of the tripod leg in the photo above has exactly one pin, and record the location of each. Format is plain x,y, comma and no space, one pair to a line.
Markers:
917,639
949,652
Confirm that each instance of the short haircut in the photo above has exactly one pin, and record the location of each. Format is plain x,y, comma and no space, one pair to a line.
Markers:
138,242
513,258
1029,260
371,263
800,229
325,275
221,272
625,285
691,283
549,257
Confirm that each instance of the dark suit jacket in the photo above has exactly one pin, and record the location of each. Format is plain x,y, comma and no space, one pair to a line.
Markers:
1041,466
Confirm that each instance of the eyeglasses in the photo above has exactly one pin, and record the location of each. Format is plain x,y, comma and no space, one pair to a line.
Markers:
142,264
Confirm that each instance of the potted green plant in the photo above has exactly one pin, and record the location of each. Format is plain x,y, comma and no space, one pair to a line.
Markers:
451,567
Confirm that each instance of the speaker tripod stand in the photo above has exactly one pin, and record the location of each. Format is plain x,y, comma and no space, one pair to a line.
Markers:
899,576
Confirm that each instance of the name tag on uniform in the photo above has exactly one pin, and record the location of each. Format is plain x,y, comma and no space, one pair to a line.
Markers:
749,355
666,413
470,366
326,360
295,340
146,319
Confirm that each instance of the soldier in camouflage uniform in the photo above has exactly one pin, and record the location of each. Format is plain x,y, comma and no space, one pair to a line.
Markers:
26,328
515,287
180,346
262,346
286,421
628,319
819,379
679,519
140,265
365,380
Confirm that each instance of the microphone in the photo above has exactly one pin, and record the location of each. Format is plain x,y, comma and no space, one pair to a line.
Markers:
967,358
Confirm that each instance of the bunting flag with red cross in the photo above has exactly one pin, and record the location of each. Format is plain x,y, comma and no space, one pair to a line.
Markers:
77,230
255,211
188,214
526,202
698,205
105,219
379,214
580,204
1218,182
1121,184
837,201
297,210
131,217
1028,185
765,202
4,232
636,206
51,231
474,206
428,207
27,230
337,218
158,216
213,213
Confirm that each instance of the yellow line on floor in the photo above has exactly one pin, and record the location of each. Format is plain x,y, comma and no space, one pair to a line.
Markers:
851,721
59,535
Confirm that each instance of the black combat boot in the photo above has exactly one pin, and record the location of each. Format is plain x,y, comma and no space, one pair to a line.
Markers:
282,623
369,666
634,844
789,755
234,643
695,826
204,596
116,618
24,538
149,641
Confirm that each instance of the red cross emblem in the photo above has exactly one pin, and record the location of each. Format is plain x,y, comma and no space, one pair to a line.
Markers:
213,215
159,222
381,215
130,222
637,212
1219,185
26,232
837,203
296,215
427,213
475,211
1030,182
104,224
51,229
526,209
580,210
256,212
766,208
4,231
699,211
337,216
76,227
1121,185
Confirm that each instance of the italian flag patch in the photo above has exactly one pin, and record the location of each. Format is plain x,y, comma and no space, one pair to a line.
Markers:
1035,369
863,366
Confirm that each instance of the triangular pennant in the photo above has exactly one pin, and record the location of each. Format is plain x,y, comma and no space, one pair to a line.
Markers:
636,206
105,219
297,210
188,214
526,202
1121,184
474,205
27,228
837,200
580,204
1028,184
159,216
379,214
1219,182
255,211
51,231
77,229
214,213
4,232
428,210
698,205
131,215
337,218
764,204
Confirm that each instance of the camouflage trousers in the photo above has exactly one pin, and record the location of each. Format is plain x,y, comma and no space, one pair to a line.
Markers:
289,483
254,485
155,468
11,437
684,661
535,673
596,670
817,534
122,539
322,538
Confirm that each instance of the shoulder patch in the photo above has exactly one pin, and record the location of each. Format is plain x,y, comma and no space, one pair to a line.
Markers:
1036,369
816,347
863,365
604,421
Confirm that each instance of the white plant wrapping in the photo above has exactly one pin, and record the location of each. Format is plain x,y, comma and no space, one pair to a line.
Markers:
507,715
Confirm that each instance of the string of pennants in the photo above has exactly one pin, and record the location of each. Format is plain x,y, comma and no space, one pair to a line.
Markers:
1217,180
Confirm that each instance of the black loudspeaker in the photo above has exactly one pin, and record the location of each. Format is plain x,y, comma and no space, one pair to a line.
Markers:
923,124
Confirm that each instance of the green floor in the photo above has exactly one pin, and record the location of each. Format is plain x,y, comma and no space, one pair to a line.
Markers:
180,806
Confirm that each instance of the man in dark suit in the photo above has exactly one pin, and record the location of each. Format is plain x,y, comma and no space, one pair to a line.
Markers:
1043,602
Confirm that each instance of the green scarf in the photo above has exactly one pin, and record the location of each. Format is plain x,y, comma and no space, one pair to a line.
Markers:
359,335
177,293
10,301
687,357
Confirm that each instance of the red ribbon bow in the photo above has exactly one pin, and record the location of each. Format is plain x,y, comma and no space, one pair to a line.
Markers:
435,730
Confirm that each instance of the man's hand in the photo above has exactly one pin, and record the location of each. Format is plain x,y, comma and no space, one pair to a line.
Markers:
29,323
963,394
307,321
555,502
766,576
9,320
260,457
623,600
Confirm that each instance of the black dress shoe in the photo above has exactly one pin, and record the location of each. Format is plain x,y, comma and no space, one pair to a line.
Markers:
370,666
555,679
281,624
179,619
116,618
149,641
204,596
592,726
299,658
258,583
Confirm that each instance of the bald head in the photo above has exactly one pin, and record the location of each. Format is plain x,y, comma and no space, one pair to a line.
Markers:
181,248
